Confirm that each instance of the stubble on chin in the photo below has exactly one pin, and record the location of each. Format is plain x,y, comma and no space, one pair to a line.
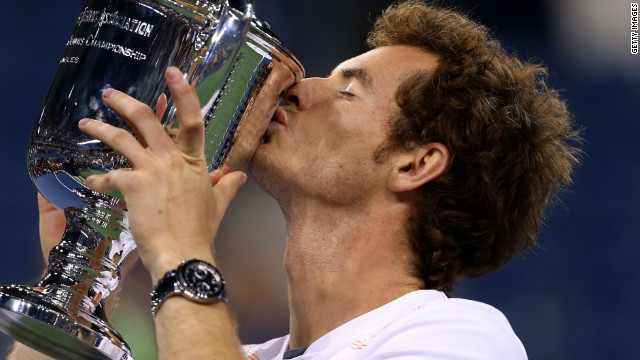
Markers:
267,173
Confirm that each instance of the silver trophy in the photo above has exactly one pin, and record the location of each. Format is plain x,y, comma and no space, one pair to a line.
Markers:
240,69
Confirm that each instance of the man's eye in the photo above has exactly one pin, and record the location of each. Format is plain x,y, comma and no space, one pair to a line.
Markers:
346,94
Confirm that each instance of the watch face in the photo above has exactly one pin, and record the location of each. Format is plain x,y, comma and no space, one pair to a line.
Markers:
202,280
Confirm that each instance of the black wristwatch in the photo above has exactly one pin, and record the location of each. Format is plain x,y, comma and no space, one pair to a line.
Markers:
195,280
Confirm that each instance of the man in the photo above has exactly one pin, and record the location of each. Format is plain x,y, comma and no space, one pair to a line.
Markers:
421,162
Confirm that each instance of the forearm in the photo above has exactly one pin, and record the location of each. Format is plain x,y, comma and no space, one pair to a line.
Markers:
187,330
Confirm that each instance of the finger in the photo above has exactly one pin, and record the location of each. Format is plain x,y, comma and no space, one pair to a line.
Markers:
117,139
108,182
140,117
161,106
52,223
215,175
227,188
191,135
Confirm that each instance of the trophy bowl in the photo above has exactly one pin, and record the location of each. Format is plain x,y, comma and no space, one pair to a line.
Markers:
239,68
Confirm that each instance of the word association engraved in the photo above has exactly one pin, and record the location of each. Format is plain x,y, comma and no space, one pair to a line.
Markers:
102,17
634,28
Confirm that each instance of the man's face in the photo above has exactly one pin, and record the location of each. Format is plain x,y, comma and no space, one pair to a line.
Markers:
321,142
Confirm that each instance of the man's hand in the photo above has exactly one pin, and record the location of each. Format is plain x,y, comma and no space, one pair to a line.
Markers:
174,211
52,224
175,207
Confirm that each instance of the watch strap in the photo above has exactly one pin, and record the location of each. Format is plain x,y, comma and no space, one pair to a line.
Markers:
164,288
174,283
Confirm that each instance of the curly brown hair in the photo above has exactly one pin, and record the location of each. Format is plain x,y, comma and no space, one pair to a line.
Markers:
511,141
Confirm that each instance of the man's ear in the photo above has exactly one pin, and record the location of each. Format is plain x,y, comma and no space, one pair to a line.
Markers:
415,168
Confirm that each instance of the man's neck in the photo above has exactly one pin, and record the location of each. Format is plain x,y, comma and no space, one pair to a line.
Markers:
343,263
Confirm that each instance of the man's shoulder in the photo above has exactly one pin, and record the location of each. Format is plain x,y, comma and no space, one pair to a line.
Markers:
432,308
445,327
272,349
454,312
424,324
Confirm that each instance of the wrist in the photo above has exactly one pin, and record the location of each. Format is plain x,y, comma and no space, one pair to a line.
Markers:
167,261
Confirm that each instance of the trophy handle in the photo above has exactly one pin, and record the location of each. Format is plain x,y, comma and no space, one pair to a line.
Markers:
225,42
215,60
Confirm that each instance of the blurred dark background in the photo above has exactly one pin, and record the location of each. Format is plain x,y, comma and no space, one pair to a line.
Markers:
576,297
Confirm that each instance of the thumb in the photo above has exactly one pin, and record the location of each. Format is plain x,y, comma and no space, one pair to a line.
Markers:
44,206
51,223
227,187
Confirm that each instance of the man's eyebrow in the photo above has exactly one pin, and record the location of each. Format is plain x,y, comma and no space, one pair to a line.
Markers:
360,74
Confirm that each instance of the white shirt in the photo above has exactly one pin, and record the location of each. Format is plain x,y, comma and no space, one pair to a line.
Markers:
424,324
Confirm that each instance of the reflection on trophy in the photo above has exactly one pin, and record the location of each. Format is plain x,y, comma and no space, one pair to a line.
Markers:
240,68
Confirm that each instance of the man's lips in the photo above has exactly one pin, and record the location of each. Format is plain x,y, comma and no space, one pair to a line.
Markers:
279,117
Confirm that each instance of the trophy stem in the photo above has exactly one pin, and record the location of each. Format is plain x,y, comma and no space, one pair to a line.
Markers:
63,315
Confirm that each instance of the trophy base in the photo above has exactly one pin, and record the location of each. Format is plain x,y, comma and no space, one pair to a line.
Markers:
31,318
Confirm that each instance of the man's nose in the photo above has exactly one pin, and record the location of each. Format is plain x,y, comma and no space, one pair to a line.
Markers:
301,96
